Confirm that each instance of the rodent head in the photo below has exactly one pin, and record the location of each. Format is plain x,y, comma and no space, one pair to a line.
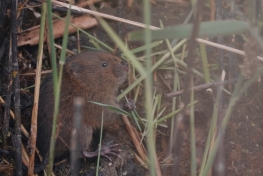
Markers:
97,69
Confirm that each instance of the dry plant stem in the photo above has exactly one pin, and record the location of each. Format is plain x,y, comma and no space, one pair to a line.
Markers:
201,87
119,24
188,79
223,47
3,46
75,142
33,135
178,140
164,81
189,60
136,141
67,50
13,116
220,39
8,97
4,5
16,90
230,49
25,157
24,131
142,163
219,167
33,74
32,28
212,7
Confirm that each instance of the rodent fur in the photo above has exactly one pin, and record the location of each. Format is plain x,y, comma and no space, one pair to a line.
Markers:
84,76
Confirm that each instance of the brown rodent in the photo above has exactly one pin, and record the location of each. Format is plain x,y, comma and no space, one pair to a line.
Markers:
94,76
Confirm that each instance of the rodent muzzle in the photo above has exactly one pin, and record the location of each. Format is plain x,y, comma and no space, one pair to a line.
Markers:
125,65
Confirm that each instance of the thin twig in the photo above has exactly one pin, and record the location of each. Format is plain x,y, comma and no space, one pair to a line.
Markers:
201,87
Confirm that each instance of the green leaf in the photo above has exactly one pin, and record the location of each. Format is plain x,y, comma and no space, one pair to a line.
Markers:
112,108
207,29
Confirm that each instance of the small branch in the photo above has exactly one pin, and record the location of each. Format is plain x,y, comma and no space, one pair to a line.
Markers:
201,87
16,89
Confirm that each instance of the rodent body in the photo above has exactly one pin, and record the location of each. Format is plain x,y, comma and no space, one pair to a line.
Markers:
94,76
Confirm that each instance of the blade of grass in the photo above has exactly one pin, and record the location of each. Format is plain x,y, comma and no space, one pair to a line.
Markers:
112,108
236,95
214,149
204,62
98,161
148,93
176,86
192,134
209,138
57,87
155,66
135,116
207,29
173,113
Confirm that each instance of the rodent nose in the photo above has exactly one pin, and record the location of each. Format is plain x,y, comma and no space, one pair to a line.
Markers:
125,65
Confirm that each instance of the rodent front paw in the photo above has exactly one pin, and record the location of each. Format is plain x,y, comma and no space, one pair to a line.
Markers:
130,105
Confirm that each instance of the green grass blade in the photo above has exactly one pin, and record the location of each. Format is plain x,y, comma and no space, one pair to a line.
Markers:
207,29
112,108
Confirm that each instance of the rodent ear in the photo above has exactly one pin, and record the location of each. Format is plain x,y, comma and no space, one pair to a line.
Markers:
75,68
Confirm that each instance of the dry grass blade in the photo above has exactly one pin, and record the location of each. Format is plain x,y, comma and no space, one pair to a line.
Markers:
33,130
136,141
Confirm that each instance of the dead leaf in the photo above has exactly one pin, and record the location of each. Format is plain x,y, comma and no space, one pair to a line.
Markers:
32,37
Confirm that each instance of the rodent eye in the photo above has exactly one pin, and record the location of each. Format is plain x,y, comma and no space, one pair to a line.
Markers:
104,64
